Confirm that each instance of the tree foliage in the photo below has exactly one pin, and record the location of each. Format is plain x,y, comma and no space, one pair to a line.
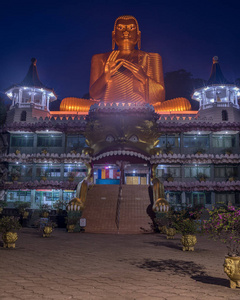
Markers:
181,83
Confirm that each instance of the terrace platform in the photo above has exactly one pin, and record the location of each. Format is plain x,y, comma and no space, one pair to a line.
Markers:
107,266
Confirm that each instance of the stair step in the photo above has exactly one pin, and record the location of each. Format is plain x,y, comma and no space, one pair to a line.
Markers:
101,205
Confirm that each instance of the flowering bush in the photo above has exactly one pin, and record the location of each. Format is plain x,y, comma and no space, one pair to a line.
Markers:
185,221
224,225
9,224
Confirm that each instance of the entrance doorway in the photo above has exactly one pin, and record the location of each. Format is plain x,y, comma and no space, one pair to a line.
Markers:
136,174
106,174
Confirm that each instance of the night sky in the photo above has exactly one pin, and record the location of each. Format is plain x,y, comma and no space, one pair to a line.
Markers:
63,36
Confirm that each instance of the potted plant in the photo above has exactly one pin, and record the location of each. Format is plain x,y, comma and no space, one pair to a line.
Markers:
72,220
15,174
44,151
60,206
165,224
202,177
45,210
48,228
200,151
2,205
8,227
71,176
224,224
169,177
73,152
232,176
185,224
227,151
22,206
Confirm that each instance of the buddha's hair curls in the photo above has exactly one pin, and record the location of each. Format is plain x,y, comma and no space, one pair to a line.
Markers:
126,18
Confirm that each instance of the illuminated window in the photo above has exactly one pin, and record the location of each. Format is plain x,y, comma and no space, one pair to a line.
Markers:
76,141
195,171
169,141
21,140
196,141
49,140
224,141
225,171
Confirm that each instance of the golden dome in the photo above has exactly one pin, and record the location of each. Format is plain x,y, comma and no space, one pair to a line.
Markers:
76,104
176,104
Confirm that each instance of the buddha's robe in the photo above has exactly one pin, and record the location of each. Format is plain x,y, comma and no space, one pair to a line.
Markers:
123,85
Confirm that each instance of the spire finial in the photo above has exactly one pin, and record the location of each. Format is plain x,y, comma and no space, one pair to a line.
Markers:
215,59
34,61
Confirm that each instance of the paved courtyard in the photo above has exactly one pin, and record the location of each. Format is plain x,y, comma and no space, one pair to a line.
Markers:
98,266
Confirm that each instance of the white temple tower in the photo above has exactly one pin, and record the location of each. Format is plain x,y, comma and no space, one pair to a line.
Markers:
30,98
219,98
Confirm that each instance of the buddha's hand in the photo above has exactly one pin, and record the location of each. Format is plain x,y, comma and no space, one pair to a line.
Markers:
137,70
112,67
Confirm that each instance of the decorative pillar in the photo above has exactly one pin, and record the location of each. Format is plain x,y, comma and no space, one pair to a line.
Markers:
183,198
181,143
210,143
235,98
32,96
33,202
62,172
20,96
201,100
227,95
35,142
215,94
213,199
204,99
48,102
44,104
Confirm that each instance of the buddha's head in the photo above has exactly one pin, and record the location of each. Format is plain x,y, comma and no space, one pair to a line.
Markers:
126,33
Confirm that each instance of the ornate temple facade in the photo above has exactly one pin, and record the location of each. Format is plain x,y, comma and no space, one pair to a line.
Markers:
196,154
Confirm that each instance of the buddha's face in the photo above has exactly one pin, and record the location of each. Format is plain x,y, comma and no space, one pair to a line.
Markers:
126,35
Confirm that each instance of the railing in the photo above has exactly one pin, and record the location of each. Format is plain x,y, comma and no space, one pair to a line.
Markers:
117,218
221,104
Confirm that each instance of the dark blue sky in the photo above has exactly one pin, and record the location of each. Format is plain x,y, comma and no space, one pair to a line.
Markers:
63,36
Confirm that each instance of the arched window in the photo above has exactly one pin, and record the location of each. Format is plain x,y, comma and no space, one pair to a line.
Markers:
224,115
23,115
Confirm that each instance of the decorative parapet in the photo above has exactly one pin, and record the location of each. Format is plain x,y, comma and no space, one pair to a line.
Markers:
171,124
154,159
48,157
195,158
202,186
168,186
61,124
66,185
120,107
121,152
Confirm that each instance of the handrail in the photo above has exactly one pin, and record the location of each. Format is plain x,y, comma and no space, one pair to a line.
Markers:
119,200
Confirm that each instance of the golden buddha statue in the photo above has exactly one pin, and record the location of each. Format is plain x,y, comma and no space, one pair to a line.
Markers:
129,74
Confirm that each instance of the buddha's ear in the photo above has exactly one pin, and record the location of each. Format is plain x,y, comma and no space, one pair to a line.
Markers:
139,40
113,40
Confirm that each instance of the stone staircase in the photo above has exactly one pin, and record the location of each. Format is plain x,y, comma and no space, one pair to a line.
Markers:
134,209
100,209
101,206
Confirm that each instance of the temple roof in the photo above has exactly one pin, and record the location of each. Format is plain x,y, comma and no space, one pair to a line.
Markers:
32,78
216,76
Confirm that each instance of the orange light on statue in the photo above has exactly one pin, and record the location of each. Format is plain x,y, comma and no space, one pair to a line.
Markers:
76,104
177,104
